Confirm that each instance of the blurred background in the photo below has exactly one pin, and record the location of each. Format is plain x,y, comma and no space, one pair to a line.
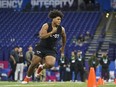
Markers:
90,27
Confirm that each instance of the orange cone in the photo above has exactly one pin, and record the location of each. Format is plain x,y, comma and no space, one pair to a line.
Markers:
102,81
99,82
114,81
92,78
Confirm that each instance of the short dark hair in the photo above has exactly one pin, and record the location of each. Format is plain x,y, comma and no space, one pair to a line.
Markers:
16,47
55,13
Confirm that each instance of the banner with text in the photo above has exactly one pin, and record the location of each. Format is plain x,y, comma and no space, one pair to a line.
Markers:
113,4
22,4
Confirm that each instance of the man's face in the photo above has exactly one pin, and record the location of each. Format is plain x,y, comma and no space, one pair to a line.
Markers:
62,55
16,49
20,49
30,49
57,20
72,54
78,53
104,55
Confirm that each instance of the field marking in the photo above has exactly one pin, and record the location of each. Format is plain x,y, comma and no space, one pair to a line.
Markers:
33,84
38,85
41,82
27,85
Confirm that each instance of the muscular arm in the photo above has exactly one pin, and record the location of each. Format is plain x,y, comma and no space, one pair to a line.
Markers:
43,32
63,39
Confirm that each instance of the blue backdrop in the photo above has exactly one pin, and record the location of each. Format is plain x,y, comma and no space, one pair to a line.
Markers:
106,5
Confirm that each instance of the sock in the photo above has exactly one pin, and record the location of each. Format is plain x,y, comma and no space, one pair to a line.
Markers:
41,67
44,66
28,77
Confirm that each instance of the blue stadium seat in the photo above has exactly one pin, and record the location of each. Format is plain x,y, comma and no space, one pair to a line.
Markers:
18,28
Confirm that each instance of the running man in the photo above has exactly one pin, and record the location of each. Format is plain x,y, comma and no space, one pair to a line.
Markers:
45,49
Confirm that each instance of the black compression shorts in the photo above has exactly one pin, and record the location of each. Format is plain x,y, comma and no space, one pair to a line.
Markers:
43,52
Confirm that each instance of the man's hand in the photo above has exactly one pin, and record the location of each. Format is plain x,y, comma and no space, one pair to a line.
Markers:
62,50
14,62
64,66
54,30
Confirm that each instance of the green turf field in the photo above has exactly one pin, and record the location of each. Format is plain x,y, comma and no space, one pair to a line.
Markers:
50,84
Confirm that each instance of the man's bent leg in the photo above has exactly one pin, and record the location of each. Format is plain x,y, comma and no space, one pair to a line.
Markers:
49,63
35,62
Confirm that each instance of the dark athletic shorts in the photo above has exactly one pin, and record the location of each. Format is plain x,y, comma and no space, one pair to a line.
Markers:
43,52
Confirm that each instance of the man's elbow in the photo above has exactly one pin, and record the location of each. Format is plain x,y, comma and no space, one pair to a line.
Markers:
42,37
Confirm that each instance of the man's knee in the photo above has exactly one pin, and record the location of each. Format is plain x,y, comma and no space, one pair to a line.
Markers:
49,61
49,65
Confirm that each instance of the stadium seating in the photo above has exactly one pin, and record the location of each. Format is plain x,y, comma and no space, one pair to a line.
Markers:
20,29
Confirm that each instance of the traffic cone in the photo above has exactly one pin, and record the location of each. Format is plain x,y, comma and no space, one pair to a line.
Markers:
102,81
92,78
114,81
99,81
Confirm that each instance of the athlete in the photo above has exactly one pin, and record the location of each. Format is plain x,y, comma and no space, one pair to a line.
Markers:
46,48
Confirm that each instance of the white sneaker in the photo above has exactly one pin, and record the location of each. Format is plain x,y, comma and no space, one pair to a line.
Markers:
24,82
